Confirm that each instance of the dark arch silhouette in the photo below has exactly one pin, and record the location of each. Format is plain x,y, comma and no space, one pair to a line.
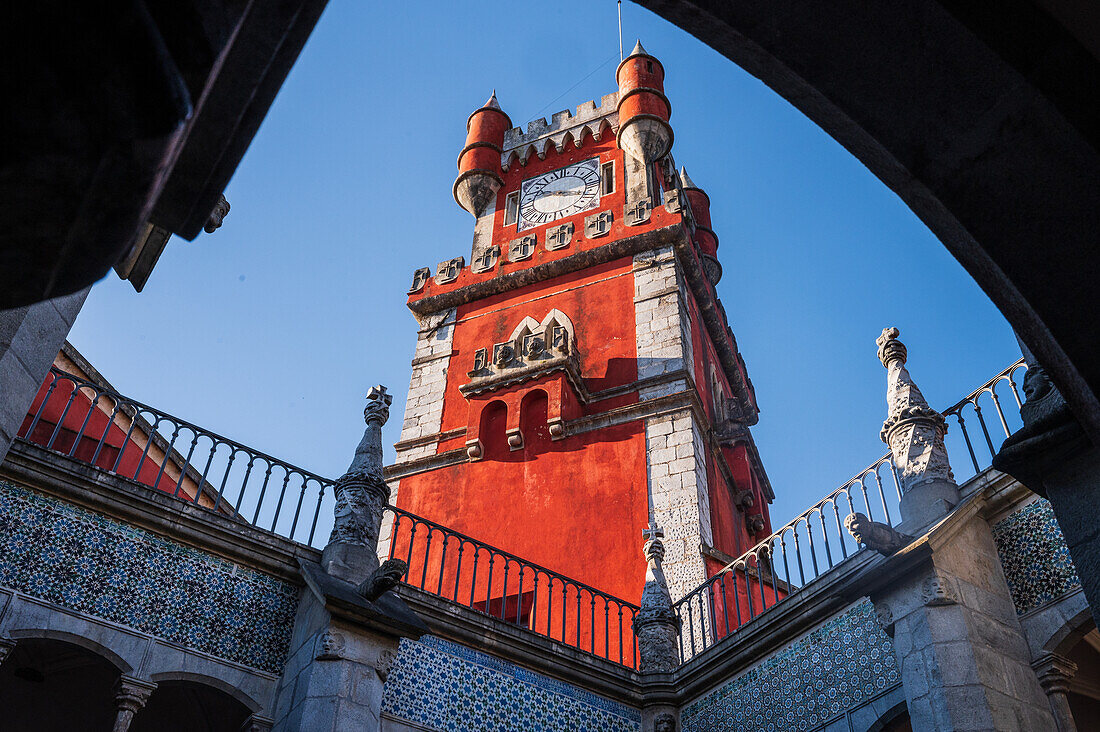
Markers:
979,116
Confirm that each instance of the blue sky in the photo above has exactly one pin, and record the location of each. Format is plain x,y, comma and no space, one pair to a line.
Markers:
271,330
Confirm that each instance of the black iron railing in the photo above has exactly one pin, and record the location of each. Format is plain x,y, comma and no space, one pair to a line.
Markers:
96,425
497,583
125,437
816,540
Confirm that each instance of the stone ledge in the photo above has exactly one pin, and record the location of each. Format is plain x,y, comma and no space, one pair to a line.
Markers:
140,505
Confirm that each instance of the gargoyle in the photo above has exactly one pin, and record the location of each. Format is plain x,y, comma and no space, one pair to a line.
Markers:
883,538
383,579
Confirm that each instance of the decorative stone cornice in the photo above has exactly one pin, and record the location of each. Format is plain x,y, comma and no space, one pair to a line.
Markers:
656,625
1054,672
527,357
913,430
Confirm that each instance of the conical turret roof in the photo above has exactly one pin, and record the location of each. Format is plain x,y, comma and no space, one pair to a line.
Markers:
686,181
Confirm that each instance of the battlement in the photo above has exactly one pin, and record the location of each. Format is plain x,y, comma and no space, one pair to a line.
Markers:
564,128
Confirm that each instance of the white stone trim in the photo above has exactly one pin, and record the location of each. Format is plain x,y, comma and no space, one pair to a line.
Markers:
678,496
424,407
662,327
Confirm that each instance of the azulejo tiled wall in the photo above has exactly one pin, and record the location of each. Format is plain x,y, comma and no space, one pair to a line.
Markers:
81,560
445,686
1034,556
819,677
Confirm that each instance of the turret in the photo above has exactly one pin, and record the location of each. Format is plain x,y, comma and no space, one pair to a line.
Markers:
705,238
479,162
644,110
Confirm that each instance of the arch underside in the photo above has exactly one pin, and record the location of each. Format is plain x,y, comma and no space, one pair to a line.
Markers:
979,116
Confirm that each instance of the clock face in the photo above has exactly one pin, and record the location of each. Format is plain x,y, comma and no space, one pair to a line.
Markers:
559,193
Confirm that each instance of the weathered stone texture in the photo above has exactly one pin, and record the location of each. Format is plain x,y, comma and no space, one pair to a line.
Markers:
662,328
30,338
678,496
964,661
424,408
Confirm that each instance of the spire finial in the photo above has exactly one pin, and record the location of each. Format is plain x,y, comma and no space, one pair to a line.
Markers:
914,431
890,348
361,495
656,625
492,103
685,179
638,50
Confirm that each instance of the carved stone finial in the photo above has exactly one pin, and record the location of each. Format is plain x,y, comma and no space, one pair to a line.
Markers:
890,348
913,430
882,538
383,579
361,495
378,405
656,625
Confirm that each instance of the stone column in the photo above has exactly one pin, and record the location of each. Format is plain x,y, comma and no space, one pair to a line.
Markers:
30,338
914,431
1052,456
1054,673
131,695
964,661
257,723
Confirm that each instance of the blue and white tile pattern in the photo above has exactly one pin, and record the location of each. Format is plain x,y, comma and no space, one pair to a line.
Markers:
86,562
444,686
823,674
1034,556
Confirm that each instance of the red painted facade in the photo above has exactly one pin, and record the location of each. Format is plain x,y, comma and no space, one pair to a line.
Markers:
553,473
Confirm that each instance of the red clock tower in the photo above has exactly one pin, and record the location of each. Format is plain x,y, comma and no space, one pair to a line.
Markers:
577,380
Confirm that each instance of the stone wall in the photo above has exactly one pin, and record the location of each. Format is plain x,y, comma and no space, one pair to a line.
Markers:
95,565
436,684
424,408
1034,556
678,496
662,328
675,451
818,680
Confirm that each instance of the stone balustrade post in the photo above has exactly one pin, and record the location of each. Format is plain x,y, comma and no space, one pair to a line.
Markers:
131,696
914,432
964,661
349,623
1054,673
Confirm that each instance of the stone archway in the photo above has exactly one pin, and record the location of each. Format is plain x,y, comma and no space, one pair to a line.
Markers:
50,685
188,705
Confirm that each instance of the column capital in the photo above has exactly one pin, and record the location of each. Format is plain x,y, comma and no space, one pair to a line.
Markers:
1054,672
258,723
132,693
